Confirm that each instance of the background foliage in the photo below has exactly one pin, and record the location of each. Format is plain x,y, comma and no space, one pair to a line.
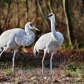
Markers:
16,13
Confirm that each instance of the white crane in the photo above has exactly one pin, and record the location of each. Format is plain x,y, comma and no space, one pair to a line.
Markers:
14,38
49,42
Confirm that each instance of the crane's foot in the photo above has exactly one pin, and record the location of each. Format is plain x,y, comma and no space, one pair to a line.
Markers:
51,76
12,69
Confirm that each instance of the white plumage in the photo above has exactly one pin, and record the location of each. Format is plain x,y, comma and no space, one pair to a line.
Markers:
14,38
49,42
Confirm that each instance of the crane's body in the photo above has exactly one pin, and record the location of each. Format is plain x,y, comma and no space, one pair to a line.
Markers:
45,42
49,42
14,38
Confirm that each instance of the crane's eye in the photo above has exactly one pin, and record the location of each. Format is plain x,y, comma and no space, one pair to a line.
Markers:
31,24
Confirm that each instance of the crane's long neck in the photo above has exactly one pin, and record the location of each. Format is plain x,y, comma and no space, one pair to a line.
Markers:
53,29
30,34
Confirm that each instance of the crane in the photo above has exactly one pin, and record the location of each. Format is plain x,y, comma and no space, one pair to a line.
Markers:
14,38
49,42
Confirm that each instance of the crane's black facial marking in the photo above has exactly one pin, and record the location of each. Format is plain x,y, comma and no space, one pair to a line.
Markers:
31,24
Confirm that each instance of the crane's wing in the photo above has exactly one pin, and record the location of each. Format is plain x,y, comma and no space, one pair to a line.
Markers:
11,35
5,37
21,38
42,41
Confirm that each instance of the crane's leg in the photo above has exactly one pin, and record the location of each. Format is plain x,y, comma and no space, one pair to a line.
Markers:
51,64
43,62
13,59
5,49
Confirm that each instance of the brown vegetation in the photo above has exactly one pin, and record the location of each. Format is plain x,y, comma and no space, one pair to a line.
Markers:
68,66
16,13
28,68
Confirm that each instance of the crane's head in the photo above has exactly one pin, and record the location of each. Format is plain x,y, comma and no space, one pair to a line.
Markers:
51,16
31,26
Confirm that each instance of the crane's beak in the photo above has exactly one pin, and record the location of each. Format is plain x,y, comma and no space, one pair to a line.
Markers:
46,16
36,28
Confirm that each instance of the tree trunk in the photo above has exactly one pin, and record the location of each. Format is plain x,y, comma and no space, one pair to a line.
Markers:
67,23
1,11
83,4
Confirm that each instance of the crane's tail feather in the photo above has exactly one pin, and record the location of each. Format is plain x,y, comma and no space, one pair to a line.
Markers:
0,49
35,52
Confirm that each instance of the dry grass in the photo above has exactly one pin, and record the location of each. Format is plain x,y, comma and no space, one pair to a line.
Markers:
33,76
28,69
